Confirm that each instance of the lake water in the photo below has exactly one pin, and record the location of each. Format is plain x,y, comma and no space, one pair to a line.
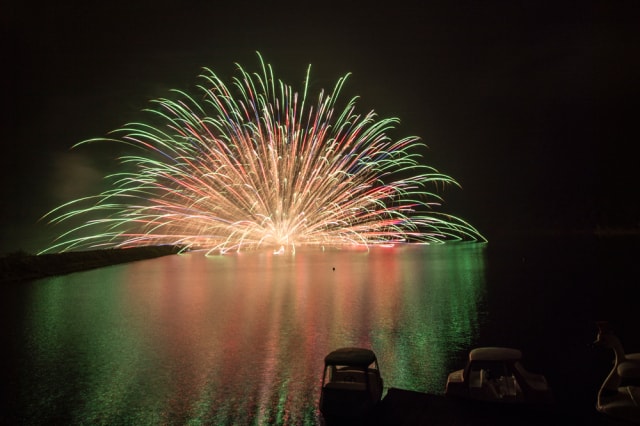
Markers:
241,338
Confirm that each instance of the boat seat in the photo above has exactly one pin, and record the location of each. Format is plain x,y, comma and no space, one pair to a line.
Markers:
349,376
490,385
352,386
475,379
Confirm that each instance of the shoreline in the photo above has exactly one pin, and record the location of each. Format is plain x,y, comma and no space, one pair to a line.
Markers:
22,266
18,267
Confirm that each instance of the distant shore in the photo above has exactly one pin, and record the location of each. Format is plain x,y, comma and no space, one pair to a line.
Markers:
16,267
21,266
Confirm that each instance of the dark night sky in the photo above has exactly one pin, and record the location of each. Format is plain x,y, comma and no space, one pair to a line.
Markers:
532,106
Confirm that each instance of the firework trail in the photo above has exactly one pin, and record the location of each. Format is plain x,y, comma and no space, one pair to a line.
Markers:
262,166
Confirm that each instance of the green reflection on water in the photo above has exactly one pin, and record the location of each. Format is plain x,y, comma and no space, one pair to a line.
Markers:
91,356
439,319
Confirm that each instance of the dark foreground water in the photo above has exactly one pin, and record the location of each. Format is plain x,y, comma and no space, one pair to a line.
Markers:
240,339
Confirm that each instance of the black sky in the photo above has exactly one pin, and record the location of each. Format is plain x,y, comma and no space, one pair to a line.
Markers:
532,106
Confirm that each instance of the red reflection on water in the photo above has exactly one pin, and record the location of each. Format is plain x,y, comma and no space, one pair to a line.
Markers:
244,336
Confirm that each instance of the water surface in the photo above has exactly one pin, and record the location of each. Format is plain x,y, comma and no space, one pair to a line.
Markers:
236,339
240,339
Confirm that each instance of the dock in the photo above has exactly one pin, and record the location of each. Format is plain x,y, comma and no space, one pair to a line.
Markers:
409,408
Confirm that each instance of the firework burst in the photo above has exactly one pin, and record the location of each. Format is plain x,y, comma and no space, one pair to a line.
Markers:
259,165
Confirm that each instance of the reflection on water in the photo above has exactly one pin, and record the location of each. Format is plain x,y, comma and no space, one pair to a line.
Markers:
239,339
